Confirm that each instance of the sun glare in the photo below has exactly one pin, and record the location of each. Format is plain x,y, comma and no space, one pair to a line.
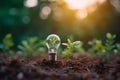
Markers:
81,14
83,6
31,3
79,4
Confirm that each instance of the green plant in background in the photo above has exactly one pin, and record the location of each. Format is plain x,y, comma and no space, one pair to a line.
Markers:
7,44
97,48
31,46
109,44
103,49
72,47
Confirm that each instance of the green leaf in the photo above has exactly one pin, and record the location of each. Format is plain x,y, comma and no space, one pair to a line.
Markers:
69,42
109,35
32,39
7,41
66,53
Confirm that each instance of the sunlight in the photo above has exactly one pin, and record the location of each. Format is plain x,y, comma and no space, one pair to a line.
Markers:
101,1
92,8
83,6
81,14
79,4
31,3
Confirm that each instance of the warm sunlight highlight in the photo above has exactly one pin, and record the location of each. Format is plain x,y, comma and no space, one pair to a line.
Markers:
81,14
83,6
31,3
80,4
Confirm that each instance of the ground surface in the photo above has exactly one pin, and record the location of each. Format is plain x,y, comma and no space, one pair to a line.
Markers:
80,67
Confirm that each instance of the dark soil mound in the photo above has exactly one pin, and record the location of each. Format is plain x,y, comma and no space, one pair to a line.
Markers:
82,67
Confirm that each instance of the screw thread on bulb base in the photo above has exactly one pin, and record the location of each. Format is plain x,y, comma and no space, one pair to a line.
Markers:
52,56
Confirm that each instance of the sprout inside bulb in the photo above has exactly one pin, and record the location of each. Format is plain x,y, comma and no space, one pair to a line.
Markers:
53,42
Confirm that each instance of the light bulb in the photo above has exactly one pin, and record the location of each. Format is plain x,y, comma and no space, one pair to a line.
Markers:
53,42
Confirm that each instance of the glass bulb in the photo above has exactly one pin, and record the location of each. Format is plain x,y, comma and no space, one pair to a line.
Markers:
53,42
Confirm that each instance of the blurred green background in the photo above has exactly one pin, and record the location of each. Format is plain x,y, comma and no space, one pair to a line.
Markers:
88,20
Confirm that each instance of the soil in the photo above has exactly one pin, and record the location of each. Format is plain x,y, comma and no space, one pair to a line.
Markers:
80,67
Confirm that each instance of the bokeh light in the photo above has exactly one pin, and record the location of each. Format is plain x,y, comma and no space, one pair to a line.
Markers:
26,19
31,3
79,4
84,19
81,14
12,11
44,13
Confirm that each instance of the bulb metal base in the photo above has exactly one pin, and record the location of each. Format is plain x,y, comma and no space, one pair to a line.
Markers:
52,56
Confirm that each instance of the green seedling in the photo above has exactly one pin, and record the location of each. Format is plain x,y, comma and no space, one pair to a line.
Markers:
31,46
53,41
97,48
8,44
72,47
103,49
110,39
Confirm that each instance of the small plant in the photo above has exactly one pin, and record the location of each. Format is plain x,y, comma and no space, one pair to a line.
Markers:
72,47
109,44
7,44
31,46
103,49
53,41
97,48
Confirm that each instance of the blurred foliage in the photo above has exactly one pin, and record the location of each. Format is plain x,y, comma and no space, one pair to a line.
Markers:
103,49
110,42
7,44
34,46
72,47
31,46
24,21
97,47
